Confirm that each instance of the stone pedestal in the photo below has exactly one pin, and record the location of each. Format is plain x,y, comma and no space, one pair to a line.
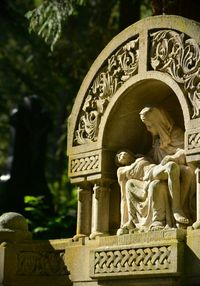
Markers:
33,263
167,257
136,259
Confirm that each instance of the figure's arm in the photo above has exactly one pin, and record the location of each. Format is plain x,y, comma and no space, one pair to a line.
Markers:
179,158
122,173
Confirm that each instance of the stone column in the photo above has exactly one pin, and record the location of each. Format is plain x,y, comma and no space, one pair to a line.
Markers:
100,211
196,225
84,212
198,193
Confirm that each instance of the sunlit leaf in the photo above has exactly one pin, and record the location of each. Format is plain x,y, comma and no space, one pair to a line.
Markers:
47,19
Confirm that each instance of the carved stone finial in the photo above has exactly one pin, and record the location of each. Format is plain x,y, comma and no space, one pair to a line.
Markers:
13,221
13,227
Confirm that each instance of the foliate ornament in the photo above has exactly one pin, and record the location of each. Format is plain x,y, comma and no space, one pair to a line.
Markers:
179,56
118,68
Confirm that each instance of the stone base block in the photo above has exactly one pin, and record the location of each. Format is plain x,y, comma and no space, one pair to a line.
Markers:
168,257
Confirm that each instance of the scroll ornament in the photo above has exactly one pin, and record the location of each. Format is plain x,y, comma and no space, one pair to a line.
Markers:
118,68
179,56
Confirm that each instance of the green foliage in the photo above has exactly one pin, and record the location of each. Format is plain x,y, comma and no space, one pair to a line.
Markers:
47,19
60,223
63,200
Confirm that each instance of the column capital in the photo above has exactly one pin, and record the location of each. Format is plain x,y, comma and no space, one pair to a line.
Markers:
104,183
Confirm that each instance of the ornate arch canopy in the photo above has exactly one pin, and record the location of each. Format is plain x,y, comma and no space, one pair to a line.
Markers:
155,61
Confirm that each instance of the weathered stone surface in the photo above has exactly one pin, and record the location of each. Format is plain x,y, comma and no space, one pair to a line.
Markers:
138,61
192,257
167,257
154,62
34,263
13,221
13,227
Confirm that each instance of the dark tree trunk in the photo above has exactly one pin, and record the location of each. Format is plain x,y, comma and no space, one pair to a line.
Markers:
129,13
186,8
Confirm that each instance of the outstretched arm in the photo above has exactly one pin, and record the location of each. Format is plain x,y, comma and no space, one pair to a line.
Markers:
179,158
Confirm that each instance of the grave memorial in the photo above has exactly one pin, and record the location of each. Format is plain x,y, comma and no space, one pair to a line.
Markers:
139,225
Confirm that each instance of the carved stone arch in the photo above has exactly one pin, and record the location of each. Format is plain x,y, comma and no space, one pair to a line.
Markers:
159,52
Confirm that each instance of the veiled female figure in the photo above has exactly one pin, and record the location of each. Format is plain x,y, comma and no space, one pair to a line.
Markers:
168,145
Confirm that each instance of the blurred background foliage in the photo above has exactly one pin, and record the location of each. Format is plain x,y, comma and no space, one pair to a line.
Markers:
52,65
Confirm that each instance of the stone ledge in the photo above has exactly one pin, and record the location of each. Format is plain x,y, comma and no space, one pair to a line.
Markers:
138,237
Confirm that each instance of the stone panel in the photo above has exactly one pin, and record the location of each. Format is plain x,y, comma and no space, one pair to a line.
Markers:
115,71
193,141
136,260
86,163
178,55
43,263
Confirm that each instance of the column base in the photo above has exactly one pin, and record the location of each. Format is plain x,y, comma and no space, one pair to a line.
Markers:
94,234
78,236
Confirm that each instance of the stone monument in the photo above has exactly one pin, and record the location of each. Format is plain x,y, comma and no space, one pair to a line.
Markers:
134,153
139,107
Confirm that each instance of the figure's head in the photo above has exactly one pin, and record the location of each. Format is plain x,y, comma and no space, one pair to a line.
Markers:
147,115
124,157
158,122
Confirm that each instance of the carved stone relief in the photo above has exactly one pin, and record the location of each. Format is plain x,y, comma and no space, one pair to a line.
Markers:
84,164
147,182
153,53
133,260
45,263
178,55
118,68
193,140
171,52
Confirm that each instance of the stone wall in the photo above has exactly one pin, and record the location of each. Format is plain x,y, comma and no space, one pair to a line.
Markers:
168,257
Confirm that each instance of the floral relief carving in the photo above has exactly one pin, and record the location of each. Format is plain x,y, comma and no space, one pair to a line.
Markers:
117,69
179,56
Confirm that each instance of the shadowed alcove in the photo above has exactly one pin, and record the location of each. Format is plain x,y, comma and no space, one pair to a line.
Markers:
124,128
